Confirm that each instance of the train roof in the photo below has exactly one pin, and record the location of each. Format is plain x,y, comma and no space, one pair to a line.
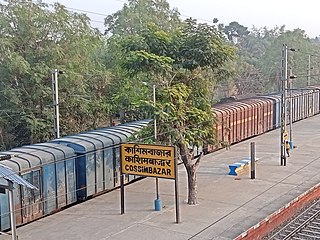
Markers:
272,96
102,138
31,156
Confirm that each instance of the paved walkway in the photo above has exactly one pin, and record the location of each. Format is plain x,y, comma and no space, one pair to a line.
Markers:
227,205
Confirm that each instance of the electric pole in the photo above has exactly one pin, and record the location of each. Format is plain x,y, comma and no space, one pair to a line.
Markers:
55,73
284,77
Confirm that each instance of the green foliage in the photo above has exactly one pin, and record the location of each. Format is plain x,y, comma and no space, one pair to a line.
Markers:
134,17
137,65
259,57
176,62
201,45
184,113
297,61
35,39
235,31
141,60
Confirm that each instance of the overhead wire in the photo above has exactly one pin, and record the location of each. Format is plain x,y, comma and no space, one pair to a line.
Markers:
106,15
79,10
186,16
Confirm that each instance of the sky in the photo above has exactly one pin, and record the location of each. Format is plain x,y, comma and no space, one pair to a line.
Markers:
259,13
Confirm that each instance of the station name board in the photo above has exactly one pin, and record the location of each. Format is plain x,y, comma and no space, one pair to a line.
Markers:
148,160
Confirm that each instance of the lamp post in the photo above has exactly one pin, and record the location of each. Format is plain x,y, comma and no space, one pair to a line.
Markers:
154,104
55,94
157,201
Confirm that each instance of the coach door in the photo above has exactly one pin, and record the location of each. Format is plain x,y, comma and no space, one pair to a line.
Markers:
31,199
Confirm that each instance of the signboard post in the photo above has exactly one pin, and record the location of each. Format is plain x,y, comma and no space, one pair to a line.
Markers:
176,187
149,161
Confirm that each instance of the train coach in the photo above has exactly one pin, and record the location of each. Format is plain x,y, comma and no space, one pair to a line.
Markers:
239,120
49,167
98,157
242,119
65,171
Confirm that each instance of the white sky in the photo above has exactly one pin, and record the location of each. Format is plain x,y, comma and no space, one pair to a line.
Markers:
259,13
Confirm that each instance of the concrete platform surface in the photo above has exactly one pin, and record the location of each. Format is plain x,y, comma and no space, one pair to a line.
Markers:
228,205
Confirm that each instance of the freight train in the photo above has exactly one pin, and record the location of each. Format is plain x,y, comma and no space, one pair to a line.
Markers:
241,119
73,168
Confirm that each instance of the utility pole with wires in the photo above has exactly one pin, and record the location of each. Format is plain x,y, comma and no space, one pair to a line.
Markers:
55,94
284,106
284,77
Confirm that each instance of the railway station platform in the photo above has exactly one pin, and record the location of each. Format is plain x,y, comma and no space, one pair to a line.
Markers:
228,205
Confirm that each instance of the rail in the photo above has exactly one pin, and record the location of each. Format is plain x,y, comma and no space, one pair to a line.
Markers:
304,226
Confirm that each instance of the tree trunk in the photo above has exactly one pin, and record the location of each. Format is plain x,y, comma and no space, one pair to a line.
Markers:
122,116
192,185
110,119
191,166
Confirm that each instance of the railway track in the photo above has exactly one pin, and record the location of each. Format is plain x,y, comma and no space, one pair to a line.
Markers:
305,225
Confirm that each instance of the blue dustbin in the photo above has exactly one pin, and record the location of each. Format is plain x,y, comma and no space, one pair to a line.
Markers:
291,144
157,205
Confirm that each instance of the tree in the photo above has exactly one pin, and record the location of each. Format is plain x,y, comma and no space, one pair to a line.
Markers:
297,61
137,14
124,29
176,62
235,31
259,55
34,40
